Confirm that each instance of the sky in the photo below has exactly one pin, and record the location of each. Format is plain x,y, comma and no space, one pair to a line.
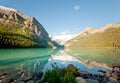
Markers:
68,16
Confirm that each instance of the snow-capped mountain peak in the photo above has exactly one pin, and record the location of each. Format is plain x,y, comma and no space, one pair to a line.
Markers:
63,38
6,8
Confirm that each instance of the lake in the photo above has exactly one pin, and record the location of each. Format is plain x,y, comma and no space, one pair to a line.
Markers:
34,59
30,60
99,57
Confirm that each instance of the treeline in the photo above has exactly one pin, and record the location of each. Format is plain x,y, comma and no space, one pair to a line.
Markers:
108,38
12,40
15,28
9,40
13,36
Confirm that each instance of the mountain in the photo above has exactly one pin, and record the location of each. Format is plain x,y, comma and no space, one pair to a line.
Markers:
62,38
108,36
18,30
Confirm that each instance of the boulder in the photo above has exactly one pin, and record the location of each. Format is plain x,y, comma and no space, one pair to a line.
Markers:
115,75
0,81
85,74
71,66
8,80
5,75
80,80
102,71
31,81
116,68
73,69
99,73
104,81
91,81
100,76
107,74
112,80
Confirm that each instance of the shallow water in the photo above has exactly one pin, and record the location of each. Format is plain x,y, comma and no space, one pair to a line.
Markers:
34,59
30,60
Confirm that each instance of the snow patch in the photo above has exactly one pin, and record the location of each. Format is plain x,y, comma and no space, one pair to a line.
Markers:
6,8
63,38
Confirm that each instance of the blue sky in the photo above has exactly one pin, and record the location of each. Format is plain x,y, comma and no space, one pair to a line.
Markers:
68,16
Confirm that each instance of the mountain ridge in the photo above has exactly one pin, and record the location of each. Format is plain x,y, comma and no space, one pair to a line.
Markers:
108,36
15,23
6,8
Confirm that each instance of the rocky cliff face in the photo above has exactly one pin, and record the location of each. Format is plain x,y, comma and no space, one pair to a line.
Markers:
107,36
15,27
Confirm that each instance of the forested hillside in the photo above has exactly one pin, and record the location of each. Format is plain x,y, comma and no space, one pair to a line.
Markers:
110,37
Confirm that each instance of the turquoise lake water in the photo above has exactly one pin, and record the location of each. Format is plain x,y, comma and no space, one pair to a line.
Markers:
33,60
30,60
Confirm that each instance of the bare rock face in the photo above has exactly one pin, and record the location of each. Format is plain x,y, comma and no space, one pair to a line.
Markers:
12,15
25,26
38,29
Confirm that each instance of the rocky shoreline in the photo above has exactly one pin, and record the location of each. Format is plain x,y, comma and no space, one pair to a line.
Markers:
108,76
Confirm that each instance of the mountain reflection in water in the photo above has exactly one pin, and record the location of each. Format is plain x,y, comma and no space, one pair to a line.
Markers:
62,59
97,57
34,60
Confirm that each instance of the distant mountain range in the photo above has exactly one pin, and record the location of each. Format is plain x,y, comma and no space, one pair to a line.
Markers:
62,38
108,36
18,30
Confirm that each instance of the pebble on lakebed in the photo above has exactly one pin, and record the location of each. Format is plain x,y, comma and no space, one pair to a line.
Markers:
112,76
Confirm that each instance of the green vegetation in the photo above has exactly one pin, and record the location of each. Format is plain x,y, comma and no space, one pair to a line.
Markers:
63,75
50,44
59,76
108,38
15,36
15,40
15,29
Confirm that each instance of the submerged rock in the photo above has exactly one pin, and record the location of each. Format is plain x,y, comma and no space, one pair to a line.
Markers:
35,76
20,80
39,75
8,80
5,75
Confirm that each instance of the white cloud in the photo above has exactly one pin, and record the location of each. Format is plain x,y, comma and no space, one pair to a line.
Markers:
76,7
